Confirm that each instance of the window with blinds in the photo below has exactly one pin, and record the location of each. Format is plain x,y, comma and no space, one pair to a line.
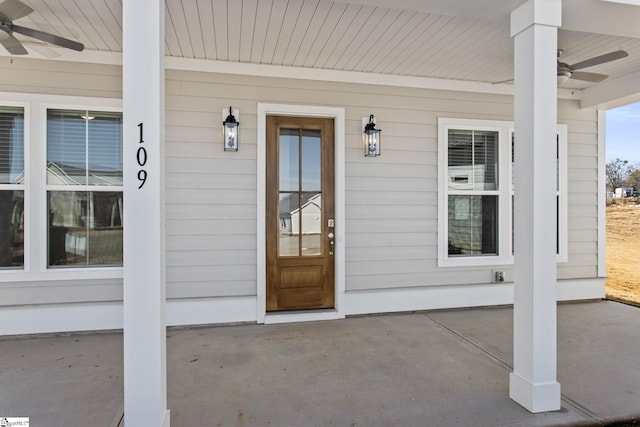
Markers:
84,187
473,197
476,185
84,148
11,187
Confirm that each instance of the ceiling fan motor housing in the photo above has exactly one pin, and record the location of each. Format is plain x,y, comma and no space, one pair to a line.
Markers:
564,69
6,30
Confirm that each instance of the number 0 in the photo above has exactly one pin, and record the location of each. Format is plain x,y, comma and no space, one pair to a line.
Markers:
141,156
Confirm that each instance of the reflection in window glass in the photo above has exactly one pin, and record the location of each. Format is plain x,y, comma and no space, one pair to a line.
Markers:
300,224
104,139
311,160
300,200
11,145
84,147
289,244
289,160
85,228
11,229
12,194
473,160
473,225
311,223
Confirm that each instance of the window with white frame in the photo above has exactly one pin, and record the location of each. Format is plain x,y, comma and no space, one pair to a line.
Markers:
12,173
475,213
84,188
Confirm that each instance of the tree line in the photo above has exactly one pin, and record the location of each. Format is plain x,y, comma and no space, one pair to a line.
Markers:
622,173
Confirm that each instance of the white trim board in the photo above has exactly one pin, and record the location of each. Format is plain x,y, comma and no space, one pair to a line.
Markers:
39,319
303,73
263,70
106,316
52,318
460,296
338,114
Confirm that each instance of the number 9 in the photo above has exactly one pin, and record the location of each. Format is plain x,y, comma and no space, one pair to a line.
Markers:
142,177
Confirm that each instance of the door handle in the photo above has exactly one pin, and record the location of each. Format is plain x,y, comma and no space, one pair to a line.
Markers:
331,243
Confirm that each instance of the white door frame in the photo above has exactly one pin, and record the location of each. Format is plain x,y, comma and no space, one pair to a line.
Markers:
338,114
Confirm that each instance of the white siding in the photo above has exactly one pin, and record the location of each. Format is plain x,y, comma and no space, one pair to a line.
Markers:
391,201
583,191
60,78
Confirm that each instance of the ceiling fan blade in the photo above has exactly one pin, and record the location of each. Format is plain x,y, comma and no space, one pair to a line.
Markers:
607,57
12,45
588,77
13,9
59,30
49,38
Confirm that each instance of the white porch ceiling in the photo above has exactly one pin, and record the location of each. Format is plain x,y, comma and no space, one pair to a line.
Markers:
445,39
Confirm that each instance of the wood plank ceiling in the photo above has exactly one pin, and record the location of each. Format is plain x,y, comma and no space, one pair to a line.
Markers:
327,34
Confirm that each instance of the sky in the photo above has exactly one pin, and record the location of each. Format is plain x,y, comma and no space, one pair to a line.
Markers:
623,133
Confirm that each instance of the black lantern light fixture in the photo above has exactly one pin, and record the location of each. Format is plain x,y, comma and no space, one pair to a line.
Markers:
230,128
371,138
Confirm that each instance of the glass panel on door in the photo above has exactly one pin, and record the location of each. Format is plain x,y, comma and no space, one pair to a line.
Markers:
300,183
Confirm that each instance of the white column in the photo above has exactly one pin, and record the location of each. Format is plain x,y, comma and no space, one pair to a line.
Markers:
533,381
145,379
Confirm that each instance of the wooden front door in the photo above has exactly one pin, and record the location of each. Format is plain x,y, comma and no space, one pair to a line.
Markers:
300,213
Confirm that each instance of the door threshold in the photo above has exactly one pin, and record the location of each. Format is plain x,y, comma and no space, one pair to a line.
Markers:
302,316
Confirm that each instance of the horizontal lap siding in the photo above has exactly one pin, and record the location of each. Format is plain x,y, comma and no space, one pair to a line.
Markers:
391,201
582,177
211,194
60,291
27,75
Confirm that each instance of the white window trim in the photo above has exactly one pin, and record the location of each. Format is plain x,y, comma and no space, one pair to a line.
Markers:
35,189
503,256
505,246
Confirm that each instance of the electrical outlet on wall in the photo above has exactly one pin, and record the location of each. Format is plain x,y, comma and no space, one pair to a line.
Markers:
499,276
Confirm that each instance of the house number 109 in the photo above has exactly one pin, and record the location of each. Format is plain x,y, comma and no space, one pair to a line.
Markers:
141,157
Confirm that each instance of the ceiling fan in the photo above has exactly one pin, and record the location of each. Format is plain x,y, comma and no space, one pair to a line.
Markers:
11,10
566,71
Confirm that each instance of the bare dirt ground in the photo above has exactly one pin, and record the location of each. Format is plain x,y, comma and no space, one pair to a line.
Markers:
623,252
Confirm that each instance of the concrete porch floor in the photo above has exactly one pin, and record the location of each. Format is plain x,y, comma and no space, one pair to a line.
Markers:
441,368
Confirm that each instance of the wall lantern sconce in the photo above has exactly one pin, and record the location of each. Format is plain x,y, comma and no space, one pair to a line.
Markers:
371,138
230,129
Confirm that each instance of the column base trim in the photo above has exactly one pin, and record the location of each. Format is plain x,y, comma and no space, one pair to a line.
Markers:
535,398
